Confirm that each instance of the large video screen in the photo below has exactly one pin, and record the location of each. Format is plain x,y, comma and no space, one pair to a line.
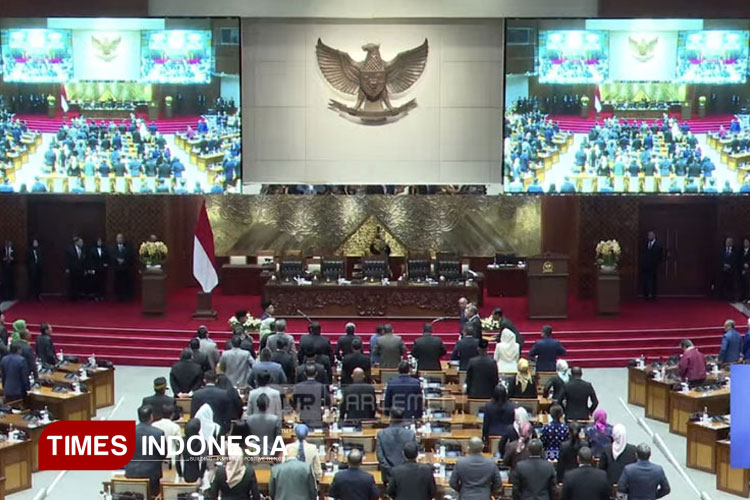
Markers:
110,119
573,56
626,106
712,56
176,56
36,55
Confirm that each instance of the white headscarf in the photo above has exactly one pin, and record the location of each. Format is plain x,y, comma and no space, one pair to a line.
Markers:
563,371
235,466
521,416
619,440
506,351
209,428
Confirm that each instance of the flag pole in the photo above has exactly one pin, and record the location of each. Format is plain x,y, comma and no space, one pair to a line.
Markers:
204,267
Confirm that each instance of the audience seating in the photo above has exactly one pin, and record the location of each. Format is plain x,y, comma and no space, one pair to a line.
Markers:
128,485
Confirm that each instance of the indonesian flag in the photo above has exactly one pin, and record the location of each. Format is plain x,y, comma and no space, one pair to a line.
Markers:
64,99
597,100
203,253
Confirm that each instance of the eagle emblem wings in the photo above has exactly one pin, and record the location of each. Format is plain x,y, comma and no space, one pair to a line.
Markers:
373,81
106,49
643,48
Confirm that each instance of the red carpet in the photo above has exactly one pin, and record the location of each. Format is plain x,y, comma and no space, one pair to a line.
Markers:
118,332
46,125
578,125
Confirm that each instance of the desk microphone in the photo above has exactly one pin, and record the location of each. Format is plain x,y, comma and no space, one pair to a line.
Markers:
304,316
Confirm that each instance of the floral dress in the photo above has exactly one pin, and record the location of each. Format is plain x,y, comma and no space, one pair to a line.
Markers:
553,434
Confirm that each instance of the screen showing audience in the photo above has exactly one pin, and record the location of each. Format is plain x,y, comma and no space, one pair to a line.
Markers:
120,106
627,106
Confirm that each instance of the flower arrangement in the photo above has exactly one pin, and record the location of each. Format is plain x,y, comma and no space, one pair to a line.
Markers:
585,100
250,324
168,100
153,253
490,324
608,253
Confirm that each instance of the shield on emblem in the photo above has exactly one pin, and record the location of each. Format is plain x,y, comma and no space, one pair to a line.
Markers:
372,83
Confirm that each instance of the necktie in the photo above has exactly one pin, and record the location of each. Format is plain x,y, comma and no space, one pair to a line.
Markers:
301,452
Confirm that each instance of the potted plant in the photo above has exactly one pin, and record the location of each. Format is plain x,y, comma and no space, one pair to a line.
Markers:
608,254
168,109
153,254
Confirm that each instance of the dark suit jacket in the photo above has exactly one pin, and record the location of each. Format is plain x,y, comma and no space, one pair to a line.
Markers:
427,350
614,467
143,465
33,266
579,400
586,483
546,351
533,479
97,262
476,324
45,349
464,350
161,402
568,458
287,361
28,355
74,263
729,263
126,254
201,359
412,481
218,399
358,402
15,376
643,480
318,343
351,361
481,377
652,257
185,376
344,345
404,391
514,391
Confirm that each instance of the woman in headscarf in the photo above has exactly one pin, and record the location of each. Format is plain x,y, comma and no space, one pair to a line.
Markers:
507,352
617,455
554,433
189,467
524,384
236,480
599,434
515,451
499,415
555,386
568,456
521,416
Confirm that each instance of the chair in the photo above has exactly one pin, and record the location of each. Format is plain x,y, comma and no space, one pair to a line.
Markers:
531,405
131,485
433,376
446,404
542,378
374,268
169,491
418,268
448,266
455,444
290,268
366,444
476,404
387,374
333,268
183,404
494,442
461,378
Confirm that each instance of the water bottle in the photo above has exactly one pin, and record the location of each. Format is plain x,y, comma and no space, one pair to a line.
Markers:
441,453
45,415
442,470
60,356
92,360
704,417
551,393
642,361
11,433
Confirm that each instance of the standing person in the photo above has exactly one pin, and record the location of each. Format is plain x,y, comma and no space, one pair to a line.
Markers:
481,374
15,375
729,262
692,365
208,347
546,351
188,468
579,398
389,348
517,450
144,464
507,352
534,478
216,398
643,480
524,383
731,344
185,376
473,320
315,343
462,303
586,482
236,480
617,455
354,360
555,386
745,271
304,451
475,476
344,344
34,270
309,397
74,269
293,479
499,415
390,441
123,260
274,396
8,275
428,349
405,392
599,434
410,480
45,349
504,323
652,257
374,356
358,400
465,349
567,458
98,263
554,433
262,423
235,363
353,483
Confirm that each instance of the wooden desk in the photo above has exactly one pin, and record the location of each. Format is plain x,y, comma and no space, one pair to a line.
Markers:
15,465
701,444
735,481
682,405
244,279
657,400
101,383
636,386
63,406
32,427
506,281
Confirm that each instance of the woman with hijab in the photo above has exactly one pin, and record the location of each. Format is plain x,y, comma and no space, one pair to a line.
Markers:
568,456
553,389
507,352
236,480
499,415
524,384
554,433
599,434
617,455
189,467
515,451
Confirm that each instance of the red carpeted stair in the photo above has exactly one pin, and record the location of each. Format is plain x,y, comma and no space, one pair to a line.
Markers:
578,125
45,125
118,332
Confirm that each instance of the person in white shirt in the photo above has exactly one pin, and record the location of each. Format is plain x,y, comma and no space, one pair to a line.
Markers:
304,451
169,428
507,352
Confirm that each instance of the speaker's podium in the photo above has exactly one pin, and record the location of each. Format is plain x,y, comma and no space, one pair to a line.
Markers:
548,286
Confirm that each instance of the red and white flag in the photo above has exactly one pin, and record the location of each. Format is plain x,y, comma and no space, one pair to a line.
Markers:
64,99
203,253
597,100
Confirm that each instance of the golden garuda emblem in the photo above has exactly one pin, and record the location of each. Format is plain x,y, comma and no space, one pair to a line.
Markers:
106,49
373,80
642,48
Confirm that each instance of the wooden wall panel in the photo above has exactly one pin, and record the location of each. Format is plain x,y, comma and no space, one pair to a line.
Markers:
561,231
674,8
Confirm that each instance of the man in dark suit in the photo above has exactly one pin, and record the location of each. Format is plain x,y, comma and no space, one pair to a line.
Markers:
390,348
729,270
481,374
285,358
34,269
322,366
410,480
405,392
643,479
143,464
352,483
218,399
476,477
75,266
586,482
466,348
185,375
199,358
315,342
344,344
15,375
579,398
8,275
505,322
159,401
652,256
462,303
354,360
98,265
122,262
535,476
309,397
391,441
45,349
546,351
472,313
358,401
428,349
